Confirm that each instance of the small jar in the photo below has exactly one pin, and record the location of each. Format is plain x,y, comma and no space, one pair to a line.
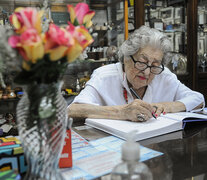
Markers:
11,94
17,89
19,94
4,96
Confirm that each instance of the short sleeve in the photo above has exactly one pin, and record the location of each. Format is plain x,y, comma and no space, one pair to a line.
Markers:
88,95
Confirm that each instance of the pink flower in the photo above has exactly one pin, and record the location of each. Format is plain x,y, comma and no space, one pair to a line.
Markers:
57,42
13,41
81,14
30,37
29,44
82,40
58,36
24,18
81,34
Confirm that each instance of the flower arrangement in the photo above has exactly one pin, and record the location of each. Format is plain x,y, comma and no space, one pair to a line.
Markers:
45,55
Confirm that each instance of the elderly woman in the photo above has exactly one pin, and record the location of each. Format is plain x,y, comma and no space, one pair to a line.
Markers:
108,94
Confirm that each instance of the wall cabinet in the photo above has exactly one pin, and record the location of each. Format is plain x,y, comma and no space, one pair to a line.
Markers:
108,22
195,43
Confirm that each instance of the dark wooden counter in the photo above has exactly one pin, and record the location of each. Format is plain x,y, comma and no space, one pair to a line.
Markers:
185,152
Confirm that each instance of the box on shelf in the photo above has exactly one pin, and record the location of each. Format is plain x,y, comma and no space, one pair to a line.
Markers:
12,155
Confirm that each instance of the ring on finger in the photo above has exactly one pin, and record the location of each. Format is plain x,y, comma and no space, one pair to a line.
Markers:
140,117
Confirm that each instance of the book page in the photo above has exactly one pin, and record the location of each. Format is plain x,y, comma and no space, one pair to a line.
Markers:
182,115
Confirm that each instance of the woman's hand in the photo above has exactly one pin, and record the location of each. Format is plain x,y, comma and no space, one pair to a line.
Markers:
137,110
167,107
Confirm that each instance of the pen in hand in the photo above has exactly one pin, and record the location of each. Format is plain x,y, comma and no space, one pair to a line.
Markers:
137,96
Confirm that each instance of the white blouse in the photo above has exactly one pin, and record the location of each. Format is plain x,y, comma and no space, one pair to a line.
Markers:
107,83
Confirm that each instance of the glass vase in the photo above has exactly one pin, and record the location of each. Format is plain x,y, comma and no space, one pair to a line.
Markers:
42,120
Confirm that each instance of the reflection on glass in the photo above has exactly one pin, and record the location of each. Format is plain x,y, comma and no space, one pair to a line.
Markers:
161,167
176,62
203,59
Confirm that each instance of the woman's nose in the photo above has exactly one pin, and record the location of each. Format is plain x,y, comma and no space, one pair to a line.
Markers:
147,71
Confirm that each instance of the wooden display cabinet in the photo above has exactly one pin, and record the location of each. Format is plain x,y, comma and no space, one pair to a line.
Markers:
194,79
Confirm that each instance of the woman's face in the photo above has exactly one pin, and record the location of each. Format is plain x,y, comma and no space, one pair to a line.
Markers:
138,78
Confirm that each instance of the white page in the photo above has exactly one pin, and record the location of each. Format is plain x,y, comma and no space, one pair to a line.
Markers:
182,115
6,127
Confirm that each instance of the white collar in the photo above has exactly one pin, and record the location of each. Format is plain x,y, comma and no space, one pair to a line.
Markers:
148,94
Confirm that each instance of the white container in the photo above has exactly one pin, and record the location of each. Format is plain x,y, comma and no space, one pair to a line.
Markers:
130,168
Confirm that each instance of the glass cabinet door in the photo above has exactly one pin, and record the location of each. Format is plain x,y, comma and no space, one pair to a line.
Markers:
108,28
170,18
201,78
202,36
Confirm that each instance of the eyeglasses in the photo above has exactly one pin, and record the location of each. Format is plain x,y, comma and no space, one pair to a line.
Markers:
142,66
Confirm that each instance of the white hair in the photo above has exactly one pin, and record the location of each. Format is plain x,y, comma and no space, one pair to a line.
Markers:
142,37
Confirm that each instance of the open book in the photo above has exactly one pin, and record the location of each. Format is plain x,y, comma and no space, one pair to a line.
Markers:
154,127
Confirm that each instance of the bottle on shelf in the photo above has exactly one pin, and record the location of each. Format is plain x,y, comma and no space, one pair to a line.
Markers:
78,86
130,168
11,94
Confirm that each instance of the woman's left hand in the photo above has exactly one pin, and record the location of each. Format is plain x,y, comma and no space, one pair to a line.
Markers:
167,107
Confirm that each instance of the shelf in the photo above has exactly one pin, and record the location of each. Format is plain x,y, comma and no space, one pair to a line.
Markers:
202,74
9,100
100,31
103,4
183,76
175,2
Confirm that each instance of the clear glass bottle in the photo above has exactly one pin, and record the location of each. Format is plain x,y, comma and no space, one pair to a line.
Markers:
78,86
130,168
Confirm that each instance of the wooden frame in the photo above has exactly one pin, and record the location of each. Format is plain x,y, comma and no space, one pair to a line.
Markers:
192,20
